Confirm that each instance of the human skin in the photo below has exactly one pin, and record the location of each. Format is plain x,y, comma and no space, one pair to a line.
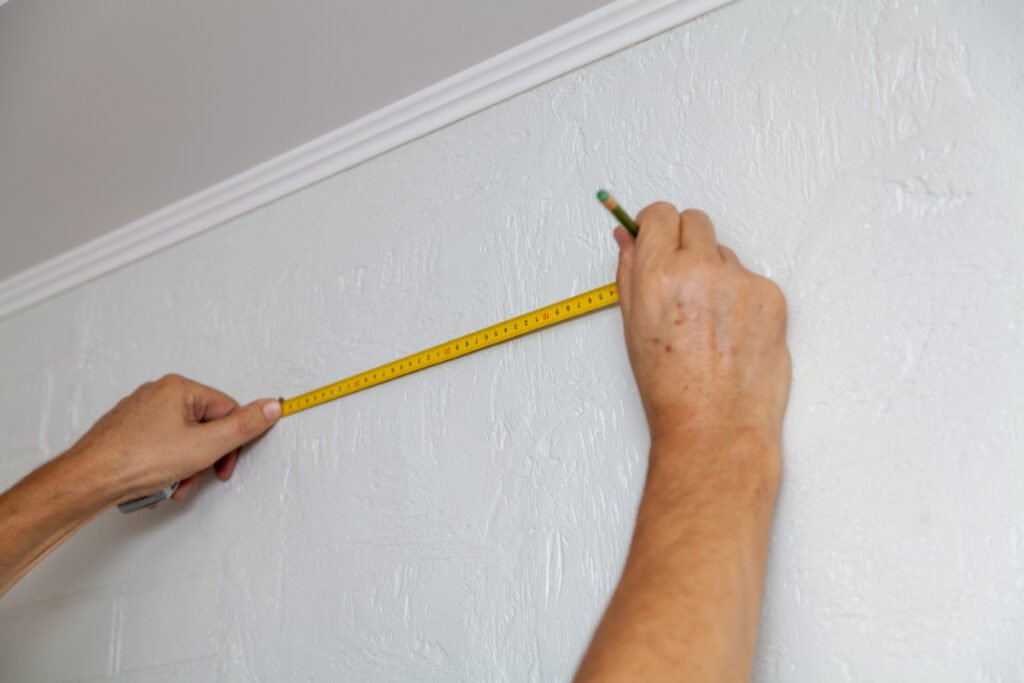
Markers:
706,341
170,430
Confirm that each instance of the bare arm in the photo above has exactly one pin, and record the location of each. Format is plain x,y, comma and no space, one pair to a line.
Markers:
166,431
706,340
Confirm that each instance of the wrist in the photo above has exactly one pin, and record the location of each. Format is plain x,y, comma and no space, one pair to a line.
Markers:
45,508
730,466
92,479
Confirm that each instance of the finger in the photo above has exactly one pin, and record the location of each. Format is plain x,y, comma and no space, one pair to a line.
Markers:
625,270
185,484
698,232
659,229
207,403
728,255
224,467
242,426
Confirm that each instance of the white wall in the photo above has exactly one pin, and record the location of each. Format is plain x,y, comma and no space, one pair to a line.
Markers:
469,522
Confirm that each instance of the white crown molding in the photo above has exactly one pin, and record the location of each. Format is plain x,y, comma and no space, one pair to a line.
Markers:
575,44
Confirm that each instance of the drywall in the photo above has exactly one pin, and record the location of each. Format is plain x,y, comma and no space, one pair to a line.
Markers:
468,523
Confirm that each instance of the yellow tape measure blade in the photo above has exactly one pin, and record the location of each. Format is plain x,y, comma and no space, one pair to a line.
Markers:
567,309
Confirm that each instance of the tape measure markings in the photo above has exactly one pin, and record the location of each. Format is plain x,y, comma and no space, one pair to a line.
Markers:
520,325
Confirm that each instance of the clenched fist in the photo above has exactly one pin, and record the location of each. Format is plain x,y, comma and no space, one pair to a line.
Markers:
706,337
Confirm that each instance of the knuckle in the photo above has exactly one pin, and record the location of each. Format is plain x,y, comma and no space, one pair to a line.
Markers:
243,425
695,215
773,296
247,423
704,260
170,379
663,207
658,211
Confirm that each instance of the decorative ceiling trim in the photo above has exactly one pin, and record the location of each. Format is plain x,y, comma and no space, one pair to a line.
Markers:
553,54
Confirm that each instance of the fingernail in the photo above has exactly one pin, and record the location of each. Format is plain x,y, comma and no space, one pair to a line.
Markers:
272,410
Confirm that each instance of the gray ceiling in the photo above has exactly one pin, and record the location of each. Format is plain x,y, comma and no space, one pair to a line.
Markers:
111,109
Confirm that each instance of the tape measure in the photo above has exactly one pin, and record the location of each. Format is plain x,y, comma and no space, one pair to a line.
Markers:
570,308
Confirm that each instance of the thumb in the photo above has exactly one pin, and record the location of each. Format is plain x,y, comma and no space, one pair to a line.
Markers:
624,274
243,425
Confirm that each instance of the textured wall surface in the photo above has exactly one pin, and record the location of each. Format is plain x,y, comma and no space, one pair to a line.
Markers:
468,523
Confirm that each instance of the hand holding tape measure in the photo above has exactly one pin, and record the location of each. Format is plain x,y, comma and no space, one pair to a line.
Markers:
526,323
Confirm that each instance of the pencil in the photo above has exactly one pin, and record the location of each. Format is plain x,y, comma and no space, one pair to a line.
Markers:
613,206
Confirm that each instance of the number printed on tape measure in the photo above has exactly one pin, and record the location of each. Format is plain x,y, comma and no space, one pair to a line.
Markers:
573,307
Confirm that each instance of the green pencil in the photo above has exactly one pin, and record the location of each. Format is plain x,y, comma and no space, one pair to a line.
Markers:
613,206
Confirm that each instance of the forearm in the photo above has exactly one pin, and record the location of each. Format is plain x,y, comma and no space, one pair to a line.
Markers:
47,507
170,430
688,603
